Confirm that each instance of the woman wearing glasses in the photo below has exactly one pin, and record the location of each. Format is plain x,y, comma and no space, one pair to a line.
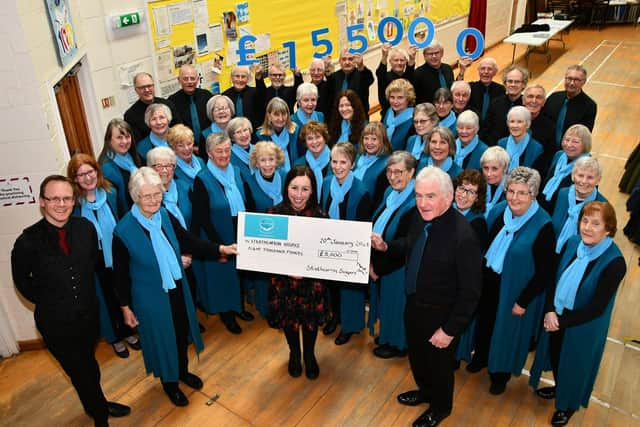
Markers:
220,110
425,118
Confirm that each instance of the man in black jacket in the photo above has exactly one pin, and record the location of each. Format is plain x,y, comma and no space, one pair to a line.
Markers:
246,99
354,75
485,89
443,286
433,74
53,267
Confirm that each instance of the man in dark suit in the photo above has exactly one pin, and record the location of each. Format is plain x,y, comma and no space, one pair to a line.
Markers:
277,74
191,102
145,88
245,98
433,74
352,75
571,106
444,266
485,90
542,128
52,263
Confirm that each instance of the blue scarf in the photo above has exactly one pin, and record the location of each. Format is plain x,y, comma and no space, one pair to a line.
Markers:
191,170
337,194
463,152
242,154
170,270
124,161
170,202
445,166
562,170
394,200
215,128
570,227
464,212
515,150
416,146
104,223
448,121
491,201
498,249
393,120
570,280
363,164
282,141
272,188
304,118
345,131
317,165
227,179
157,142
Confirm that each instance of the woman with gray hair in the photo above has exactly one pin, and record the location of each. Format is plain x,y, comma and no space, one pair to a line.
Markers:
494,163
522,148
220,110
152,286
240,133
443,101
391,220
425,119
440,152
279,128
157,117
469,148
520,264
307,99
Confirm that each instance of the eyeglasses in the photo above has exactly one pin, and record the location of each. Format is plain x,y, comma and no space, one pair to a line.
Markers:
168,167
89,174
436,53
466,191
153,196
421,121
145,87
518,194
513,82
241,131
221,109
396,172
277,76
573,79
58,200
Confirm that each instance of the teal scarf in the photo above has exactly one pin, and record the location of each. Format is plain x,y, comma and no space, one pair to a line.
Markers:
337,194
393,120
515,150
124,161
317,165
104,223
191,170
570,227
363,164
227,179
463,152
394,200
272,188
170,202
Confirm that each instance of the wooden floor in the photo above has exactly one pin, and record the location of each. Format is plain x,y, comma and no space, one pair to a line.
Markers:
249,372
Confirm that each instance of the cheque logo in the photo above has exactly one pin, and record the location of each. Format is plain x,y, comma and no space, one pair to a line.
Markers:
267,225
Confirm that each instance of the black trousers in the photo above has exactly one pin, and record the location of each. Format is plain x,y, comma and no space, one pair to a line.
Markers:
181,326
73,346
432,367
486,316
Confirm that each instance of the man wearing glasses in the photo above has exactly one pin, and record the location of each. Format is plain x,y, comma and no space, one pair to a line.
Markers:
277,75
52,263
571,106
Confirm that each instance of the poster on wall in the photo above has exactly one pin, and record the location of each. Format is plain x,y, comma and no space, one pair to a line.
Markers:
62,28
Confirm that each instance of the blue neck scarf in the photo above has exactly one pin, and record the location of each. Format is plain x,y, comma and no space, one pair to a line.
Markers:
170,202
215,128
515,150
282,140
156,141
445,166
272,188
570,227
416,146
338,192
491,201
463,152
393,120
498,249
345,131
562,170
304,118
125,161
242,154
363,163
227,179
317,165
464,212
104,223
448,121
394,200
170,270
570,280
191,170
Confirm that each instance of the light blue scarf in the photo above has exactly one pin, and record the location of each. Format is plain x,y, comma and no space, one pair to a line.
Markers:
448,121
170,202
393,120
191,170
570,227
570,280
515,150
362,165
345,131
394,200
304,118
491,201
337,194
282,140
124,161
170,270
157,142
562,170
464,212
104,223
445,166
272,188
416,144
227,179
463,152
214,128
317,165
498,249
242,154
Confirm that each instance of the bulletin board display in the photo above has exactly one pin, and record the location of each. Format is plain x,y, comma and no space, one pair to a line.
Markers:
206,33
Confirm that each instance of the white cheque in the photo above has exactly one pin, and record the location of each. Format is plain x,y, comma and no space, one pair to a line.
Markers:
305,247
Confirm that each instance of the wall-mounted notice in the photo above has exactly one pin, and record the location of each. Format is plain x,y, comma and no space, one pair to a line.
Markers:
16,191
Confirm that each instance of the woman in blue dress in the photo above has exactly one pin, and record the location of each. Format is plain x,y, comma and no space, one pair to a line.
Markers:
348,118
371,161
523,149
180,139
240,133
440,152
398,120
425,118
279,128
307,99
318,155
578,310
443,101
157,117
469,148
494,163
220,110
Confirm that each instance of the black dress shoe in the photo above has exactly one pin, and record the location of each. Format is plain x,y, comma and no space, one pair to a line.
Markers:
201,327
192,381
497,388
430,418
475,366
411,398
246,316
232,326
311,368
295,365
116,409
386,351
330,327
561,418
376,340
546,393
134,343
343,338
177,397
122,352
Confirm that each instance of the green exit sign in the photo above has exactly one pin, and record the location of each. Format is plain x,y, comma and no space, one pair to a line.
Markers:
129,19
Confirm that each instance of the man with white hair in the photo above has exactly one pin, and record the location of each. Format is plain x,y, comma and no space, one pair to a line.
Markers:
354,75
433,74
318,70
443,286
246,99
277,74
485,89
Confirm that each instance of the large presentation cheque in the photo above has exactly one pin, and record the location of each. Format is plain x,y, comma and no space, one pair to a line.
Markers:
305,247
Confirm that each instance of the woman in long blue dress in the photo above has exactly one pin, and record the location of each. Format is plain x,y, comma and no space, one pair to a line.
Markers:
157,117
469,148
240,133
494,163
578,310
348,118
443,101
425,118
523,149
371,162
318,155
220,110
440,151
307,100
399,117
279,128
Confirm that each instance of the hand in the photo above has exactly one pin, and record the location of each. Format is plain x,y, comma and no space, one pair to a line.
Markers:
257,70
378,243
130,319
186,260
359,60
372,273
296,71
412,51
440,339
328,65
551,322
517,310
229,249
463,63
385,48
